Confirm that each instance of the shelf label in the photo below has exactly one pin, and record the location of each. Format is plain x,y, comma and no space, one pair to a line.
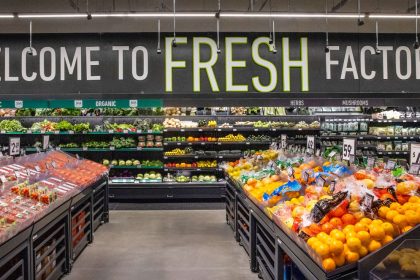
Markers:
290,172
18,104
349,148
71,132
139,148
390,165
112,148
37,168
414,153
310,144
125,131
14,146
200,130
414,169
78,103
85,148
133,103
283,141
3,179
370,162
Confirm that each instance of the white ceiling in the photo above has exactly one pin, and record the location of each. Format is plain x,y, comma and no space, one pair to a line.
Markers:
202,25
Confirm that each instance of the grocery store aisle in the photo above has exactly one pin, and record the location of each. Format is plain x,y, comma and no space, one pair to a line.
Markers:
160,245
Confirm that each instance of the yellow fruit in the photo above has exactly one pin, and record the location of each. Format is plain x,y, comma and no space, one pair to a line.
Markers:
368,183
365,221
363,251
352,257
360,227
394,205
406,228
351,234
348,228
311,241
336,247
382,211
391,214
411,217
364,237
354,244
322,250
338,235
388,228
359,215
386,239
322,236
400,220
377,222
340,259
414,199
374,245
376,232
328,264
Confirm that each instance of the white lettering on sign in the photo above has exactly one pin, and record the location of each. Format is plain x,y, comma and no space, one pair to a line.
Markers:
145,60
25,75
90,63
75,64
120,50
106,103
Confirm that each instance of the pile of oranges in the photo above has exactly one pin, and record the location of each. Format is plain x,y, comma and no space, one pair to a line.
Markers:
352,242
403,216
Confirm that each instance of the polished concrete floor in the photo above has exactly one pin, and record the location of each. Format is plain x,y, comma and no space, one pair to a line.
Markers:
164,245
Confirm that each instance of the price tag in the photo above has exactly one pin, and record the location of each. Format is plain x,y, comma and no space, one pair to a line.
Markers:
54,164
200,129
290,172
3,132
320,182
3,179
414,153
305,176
367,201
139,148
349,148
182,130
256,129
318,152
370,162
330,155
331,189
45,141
125,131
283,141
14,146
58,148
71,132
390,165
112,148
29,131
110,131
84,148
234,129
57,132
37,168
310,144
414,169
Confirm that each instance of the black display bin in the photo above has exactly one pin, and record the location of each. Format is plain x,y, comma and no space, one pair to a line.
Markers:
46,249
269,245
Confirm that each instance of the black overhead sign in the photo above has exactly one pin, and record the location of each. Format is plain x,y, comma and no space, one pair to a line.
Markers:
113,64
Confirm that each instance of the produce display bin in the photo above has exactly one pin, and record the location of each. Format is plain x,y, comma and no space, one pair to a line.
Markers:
267,244
100,202
230,199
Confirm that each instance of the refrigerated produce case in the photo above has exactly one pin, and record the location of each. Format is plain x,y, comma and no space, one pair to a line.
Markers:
51,197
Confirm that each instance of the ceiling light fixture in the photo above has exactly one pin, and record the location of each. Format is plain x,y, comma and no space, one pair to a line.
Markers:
327,47
218,26
151,14
6,16
30,39
392,16
51,15
174,40
289,15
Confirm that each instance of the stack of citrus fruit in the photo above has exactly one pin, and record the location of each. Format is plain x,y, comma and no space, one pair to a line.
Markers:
351,243
405,216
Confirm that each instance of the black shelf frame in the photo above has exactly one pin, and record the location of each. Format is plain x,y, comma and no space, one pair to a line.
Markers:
45,247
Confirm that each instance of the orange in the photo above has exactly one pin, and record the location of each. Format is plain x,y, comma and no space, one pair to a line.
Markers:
311,241
336,223
365,221
359,215
400,220
377,222
382,211
324,220
322,249
315,228
348,228
338,235
388,228
391,214
363,251
336,247
351,234
364,237
376,232
352,256
386,239
394,205
374,245
328,264
338,212
411,217
340,259
348,219
414,199
354,244
322,236
360,227
406,228
327,227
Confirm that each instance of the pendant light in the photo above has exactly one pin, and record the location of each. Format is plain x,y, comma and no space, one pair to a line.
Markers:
327,47
377,50
89,15
416,44
30,39
174,40
158,50
360,21
274,49
218,26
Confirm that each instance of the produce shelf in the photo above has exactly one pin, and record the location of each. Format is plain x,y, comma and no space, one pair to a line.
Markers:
204,156
192,169
244,143
134,167
188,143
31,149
79,133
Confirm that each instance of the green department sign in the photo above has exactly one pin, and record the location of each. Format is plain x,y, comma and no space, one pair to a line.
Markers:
82,103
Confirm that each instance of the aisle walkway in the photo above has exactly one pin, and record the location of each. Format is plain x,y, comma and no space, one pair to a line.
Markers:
164,245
